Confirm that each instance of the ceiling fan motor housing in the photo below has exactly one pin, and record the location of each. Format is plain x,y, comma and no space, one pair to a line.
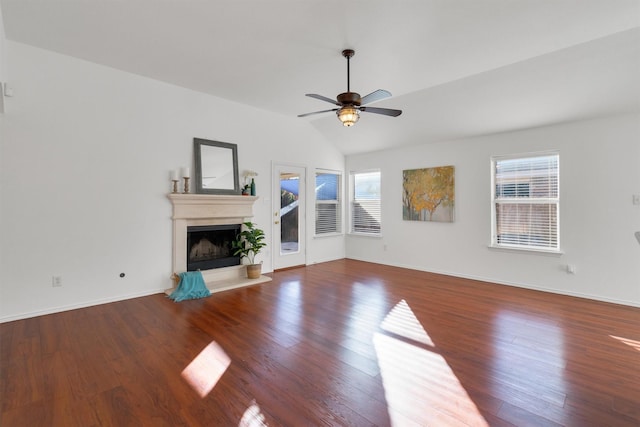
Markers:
349,98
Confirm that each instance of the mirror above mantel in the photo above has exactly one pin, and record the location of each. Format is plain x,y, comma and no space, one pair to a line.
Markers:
216,167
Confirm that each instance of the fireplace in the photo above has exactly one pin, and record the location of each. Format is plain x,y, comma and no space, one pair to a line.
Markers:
201,213
209,246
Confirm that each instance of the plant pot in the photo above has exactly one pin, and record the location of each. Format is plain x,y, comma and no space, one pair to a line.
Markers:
254,270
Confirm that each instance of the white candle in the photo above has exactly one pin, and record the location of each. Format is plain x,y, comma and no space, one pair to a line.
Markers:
186,172
174,175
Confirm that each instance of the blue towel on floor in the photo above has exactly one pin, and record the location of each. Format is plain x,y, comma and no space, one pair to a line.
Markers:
191,286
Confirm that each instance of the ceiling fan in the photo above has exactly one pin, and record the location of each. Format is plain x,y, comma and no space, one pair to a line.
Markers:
351,104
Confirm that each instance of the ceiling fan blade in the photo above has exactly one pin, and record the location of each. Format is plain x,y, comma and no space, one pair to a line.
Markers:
316,112
323,98
374,96
383,111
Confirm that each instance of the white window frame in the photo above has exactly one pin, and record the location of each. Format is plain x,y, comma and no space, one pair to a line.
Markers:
377,204
497,200
337,203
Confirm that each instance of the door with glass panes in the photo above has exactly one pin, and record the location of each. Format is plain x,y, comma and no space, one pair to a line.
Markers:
288,216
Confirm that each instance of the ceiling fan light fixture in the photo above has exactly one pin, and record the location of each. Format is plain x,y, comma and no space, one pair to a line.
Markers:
348,115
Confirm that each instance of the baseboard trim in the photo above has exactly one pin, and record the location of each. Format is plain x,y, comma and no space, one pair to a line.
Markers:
513,284
77,306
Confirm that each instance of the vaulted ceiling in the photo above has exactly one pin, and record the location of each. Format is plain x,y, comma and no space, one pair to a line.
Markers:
456,68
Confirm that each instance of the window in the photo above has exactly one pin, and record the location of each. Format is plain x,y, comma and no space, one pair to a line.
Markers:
328,202
365,204
526,201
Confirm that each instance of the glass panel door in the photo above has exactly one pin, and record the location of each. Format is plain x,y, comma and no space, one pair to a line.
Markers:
289,216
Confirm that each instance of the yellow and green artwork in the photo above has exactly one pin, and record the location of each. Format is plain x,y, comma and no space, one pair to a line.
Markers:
428,194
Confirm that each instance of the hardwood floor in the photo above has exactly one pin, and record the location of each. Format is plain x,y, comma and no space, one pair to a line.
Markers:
339,343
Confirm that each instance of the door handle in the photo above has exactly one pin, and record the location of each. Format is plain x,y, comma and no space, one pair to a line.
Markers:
276,222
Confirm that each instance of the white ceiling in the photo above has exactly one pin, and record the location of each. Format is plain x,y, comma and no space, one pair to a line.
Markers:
455,67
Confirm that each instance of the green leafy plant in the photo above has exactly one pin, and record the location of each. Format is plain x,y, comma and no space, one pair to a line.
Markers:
249,242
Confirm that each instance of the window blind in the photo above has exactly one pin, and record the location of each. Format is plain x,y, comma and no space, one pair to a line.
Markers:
365,205
328,203
526,202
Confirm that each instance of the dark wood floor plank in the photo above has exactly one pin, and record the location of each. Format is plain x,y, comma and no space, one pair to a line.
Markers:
344,343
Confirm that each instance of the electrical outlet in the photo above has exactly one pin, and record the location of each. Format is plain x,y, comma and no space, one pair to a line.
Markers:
571,269
56,281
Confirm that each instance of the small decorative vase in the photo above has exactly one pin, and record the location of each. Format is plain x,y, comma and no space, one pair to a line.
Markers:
253,187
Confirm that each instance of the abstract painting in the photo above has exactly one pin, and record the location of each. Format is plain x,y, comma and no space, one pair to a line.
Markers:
428,194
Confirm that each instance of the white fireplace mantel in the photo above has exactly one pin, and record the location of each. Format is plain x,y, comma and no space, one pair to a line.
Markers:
210,209
211,206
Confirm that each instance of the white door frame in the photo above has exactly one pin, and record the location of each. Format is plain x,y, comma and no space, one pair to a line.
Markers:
278,259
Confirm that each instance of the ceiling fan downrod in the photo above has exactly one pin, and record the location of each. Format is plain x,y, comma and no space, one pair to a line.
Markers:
348,53
348,98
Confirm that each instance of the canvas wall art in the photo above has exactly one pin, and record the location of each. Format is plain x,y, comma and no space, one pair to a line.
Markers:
428,194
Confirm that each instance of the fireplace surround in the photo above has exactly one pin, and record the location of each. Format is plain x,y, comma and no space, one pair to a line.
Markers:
198,210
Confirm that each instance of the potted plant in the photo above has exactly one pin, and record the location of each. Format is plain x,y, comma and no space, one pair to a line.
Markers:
248,244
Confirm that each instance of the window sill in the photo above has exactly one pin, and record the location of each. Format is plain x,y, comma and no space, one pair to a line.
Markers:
375,236
544,252
327,235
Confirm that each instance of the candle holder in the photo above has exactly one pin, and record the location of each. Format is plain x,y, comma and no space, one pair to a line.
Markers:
175,186
186,185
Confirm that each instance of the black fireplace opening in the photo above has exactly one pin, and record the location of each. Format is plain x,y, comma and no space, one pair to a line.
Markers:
209,246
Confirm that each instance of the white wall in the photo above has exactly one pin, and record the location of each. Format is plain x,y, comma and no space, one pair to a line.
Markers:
3,62
86,152
600,171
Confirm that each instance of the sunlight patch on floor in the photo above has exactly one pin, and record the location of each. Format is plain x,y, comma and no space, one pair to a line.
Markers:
631,343
420,387
538,343
401,321
253,417
289,310
203,373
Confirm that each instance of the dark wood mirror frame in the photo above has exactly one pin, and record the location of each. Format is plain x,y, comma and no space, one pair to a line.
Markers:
216,167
